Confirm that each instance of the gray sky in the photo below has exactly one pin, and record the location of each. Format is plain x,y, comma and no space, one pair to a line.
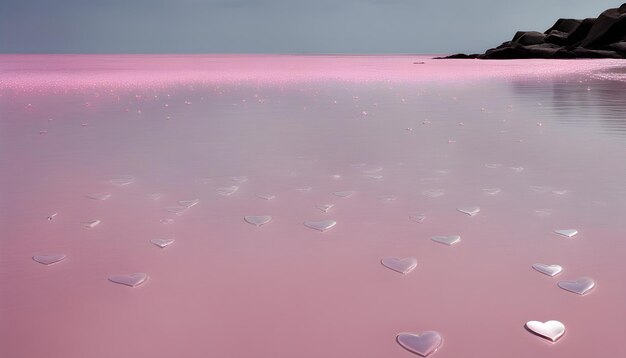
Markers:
275,26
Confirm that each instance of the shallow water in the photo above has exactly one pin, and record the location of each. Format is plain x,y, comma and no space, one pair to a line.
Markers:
397,148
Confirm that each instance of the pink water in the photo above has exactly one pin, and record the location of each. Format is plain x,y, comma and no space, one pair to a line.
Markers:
184,126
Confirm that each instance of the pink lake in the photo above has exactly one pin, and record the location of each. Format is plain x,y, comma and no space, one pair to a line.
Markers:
537,145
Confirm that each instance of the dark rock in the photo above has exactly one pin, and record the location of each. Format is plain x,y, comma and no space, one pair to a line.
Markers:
564,25
581,32
526,38
610,27
604,37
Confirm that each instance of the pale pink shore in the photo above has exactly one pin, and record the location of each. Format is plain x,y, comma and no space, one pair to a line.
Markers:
29,72
548,135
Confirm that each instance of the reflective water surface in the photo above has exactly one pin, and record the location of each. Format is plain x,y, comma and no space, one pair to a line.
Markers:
195,148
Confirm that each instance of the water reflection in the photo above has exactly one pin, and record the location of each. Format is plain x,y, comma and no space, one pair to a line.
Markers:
594,102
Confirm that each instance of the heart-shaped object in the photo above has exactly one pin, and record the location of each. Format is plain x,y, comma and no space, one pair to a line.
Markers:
418,217
470,210
581,285
177,210
188,203
567,232
91,224
266,196
550,270
325,207
132,280
551,330
257,220
49,259
122,180
423,344
403,266
344,194
447,240
433,193
320,225
162,242
373,170
492,191
226,191
99,196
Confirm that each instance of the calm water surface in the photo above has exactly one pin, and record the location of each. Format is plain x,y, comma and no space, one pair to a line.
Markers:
407,137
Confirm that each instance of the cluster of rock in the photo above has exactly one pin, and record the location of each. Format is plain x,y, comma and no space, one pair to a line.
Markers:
602,37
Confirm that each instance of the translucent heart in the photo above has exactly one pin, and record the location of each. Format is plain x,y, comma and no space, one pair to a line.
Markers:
226,191
581,286
49,259
325,207
266,196
418,217
552,330
447,240
122,180
91,224
188,203
162,242
550,270
423,344
344,194
567,232
320,225
257,220
99,196
492,191
403,266
471,210
132,280
433,193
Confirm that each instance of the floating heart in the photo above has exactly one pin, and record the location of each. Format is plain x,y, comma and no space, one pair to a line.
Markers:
373,170
471,210
433,193
132,280
99,196
344,194
418,217
320,225
551,330
492,191
423,344
122,180
91,224
403,266
567,232
266,196
581,286
178,210
226,191
325,207
188,203
49,259
447,240
257,220
162,242
550,270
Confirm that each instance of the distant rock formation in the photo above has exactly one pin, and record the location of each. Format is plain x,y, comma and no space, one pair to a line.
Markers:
602,37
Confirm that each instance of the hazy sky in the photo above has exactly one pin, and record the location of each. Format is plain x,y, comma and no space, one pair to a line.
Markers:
275,26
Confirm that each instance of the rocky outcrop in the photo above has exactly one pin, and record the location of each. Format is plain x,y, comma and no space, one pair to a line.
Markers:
601,37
